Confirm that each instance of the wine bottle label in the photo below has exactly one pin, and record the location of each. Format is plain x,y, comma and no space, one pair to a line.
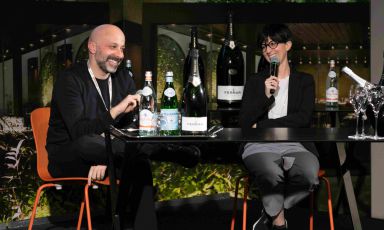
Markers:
169,92
169,119
194,124
147,91
332,95
147,120
332,74
232,44
230,92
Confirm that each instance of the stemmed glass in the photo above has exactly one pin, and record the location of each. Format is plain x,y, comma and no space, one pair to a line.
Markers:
363,109
357,96
376,100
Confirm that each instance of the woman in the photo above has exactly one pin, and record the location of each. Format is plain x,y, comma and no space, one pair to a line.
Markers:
285,172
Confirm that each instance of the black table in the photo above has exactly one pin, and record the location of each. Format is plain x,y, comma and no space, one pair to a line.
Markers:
235,135
229,116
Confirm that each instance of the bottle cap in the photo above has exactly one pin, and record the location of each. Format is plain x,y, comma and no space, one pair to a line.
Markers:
148,75
128,63
169,74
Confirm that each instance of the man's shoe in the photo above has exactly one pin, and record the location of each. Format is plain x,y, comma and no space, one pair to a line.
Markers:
263,223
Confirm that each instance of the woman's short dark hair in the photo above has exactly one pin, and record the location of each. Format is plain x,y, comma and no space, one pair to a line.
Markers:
276,32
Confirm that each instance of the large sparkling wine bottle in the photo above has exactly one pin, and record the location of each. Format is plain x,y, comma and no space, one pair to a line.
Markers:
194,44
194,117
148,108
370,114
381,82
367,85
360,81
169,115
331,92
380,125
230,71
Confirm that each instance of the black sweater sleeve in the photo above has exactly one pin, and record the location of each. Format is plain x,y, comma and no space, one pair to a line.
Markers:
71,95
255,103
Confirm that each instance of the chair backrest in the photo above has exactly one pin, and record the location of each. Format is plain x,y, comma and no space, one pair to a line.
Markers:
39,123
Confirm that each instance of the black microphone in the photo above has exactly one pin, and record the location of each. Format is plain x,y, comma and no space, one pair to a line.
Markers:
274,69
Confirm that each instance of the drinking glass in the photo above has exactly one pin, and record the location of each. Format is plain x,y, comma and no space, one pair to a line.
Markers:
376,100
356,99
363,109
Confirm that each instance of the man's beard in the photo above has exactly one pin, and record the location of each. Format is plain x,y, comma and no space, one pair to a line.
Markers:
108,69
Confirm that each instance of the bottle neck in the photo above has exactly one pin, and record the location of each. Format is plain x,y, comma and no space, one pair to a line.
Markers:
381,81
194,42
194,77
168,80
148,83
229,34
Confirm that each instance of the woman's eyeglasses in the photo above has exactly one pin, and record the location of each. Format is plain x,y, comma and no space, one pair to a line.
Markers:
271,44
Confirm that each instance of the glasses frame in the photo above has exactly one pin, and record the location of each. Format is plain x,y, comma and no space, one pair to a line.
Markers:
271,44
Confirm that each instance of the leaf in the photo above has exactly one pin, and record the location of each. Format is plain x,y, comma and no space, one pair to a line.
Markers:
11,154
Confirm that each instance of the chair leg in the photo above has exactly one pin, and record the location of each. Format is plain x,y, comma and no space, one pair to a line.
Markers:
88,210
233,220
246,190
330,207
31,220
311,211
81,212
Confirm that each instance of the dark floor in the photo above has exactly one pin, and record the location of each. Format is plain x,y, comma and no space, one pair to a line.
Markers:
212,213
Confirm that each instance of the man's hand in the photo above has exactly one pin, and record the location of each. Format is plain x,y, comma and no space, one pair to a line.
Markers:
127,105
133,101
96,172
271,83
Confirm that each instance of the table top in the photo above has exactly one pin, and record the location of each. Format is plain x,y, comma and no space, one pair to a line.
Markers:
257,135
321,107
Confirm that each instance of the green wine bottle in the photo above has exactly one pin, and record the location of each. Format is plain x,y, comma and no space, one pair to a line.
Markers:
169,114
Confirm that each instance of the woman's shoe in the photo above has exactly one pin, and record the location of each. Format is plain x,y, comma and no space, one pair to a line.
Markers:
263,223
282,227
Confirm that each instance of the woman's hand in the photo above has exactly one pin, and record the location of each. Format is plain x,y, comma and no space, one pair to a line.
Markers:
271,83
96,172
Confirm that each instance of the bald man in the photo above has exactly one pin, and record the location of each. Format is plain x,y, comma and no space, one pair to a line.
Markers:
87,98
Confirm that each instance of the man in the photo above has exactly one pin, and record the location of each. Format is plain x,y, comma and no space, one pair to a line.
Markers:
86,100
284,172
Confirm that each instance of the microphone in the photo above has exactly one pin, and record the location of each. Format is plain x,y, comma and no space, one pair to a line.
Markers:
274,69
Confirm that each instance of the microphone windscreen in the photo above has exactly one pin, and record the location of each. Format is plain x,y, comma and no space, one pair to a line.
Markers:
274,69
275,59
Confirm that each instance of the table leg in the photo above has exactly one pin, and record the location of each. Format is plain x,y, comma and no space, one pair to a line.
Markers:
349,187
112,182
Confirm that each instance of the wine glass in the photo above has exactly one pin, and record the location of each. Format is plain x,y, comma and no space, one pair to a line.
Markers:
356,99
376,100
363,109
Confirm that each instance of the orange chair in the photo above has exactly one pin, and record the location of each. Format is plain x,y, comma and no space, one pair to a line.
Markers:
321,175
39,123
